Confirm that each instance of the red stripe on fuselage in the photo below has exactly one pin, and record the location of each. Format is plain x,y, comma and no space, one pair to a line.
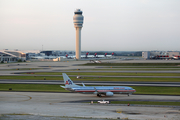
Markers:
105,90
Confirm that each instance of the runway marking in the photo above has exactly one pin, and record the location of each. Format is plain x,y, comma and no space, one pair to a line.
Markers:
26,96
55,103
119,110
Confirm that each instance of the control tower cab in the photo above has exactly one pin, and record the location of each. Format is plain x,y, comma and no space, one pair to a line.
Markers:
78,18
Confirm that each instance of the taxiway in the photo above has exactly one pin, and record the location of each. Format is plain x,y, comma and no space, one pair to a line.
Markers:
62,104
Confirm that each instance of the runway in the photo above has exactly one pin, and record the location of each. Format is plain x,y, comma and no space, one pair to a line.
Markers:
62,104
98,83
19,74
16,72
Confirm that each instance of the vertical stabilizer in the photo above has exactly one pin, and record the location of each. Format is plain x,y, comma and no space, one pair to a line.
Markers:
68,82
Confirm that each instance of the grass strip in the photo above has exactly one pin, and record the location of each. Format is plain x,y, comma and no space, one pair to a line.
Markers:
106,73
157,90
57,88
131,64
141,67
124,79
32,77
146,103
32,87
127,79
21,69
132,69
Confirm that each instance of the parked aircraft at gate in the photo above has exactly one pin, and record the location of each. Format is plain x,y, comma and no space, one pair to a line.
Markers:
97,90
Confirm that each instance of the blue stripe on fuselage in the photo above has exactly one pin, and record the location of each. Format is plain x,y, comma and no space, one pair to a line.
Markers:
92,88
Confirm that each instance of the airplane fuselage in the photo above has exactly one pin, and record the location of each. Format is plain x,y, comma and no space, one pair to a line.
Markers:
102,89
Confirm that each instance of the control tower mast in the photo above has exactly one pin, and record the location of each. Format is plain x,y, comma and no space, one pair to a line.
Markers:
78,22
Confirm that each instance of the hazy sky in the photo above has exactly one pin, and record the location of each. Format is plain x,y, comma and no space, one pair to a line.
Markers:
109,25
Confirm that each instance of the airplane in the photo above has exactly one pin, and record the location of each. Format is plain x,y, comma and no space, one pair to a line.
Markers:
97,90
176,57
96,55
95,61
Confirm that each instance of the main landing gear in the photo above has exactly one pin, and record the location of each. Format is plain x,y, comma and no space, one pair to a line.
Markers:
129,94
99,95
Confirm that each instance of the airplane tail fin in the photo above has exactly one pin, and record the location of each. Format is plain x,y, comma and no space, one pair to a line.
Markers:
68,82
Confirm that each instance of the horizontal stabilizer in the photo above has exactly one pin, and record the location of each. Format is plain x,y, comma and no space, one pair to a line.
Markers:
62,86
83,85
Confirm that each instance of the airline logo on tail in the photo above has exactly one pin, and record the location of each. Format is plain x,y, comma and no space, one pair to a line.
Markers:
68,82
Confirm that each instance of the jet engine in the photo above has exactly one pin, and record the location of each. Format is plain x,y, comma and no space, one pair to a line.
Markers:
109,94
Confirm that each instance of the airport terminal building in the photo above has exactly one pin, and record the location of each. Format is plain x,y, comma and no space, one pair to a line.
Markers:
7,56
161,55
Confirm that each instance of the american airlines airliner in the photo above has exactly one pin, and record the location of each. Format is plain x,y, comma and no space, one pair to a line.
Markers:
97,90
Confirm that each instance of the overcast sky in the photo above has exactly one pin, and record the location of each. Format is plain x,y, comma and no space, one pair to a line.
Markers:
109,25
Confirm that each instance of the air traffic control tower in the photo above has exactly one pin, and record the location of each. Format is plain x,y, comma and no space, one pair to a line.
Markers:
78,22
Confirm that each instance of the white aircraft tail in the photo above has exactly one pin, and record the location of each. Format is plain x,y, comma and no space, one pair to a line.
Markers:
68,82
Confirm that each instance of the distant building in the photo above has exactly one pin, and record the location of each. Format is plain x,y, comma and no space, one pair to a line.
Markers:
57,53
47,53
161,55
146,55
11,56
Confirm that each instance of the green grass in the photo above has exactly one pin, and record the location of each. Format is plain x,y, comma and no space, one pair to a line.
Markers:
132,69
32,87
127,79
57,88
131,64
142,67
32,77
124,79
146,103
157,90
21,69
107,73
